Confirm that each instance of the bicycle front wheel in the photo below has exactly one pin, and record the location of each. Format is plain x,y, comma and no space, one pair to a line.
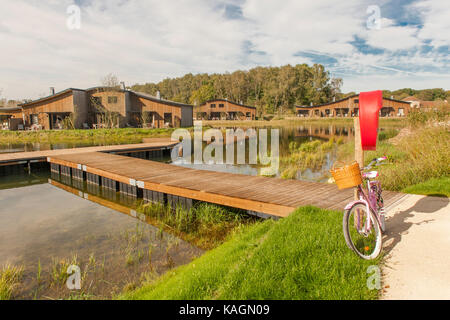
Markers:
365,242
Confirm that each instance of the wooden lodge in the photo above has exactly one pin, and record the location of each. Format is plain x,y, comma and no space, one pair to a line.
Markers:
100,107
223,109
349,107
11,118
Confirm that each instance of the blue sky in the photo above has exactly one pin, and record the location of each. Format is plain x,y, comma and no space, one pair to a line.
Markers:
143,41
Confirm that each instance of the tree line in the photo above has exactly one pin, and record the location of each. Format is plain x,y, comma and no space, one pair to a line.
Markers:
270,89
424,95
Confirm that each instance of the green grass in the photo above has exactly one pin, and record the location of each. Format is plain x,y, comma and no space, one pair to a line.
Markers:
99,136
303,256
431,187
294,121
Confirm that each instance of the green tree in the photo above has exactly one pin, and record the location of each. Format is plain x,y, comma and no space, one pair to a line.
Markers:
204,93
269,89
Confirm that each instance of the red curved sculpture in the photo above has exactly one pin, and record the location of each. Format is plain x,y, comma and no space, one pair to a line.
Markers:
370,103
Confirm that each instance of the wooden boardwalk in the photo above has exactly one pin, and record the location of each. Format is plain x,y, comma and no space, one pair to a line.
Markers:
269,196
35,156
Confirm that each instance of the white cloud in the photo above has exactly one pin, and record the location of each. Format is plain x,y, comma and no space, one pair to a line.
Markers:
138,41
436,21
143,41
392,37
393,82
286,27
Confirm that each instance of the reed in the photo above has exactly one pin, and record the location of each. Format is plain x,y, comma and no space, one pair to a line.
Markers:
10,277
58,272
308,155
206,225
421,156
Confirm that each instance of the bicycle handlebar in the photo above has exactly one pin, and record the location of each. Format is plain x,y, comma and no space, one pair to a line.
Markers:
375,161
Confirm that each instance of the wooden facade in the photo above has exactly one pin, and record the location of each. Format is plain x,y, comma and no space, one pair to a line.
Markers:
221,109
104,107
49,113
349,107
10,118
168,114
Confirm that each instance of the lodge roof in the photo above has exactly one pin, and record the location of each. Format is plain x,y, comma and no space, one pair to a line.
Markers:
411,98
9,109
99,88
155,99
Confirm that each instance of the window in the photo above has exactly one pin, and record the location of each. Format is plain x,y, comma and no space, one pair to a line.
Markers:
112,99
213,105
221,105
356,101
34,119
167,118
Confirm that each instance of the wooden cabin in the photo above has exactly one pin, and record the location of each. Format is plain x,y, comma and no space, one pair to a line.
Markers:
160,113
349,107
11,118
50,112
222,109
103,107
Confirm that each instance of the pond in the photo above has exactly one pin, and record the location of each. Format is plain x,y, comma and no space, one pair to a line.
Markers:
47,227
291,138
47,224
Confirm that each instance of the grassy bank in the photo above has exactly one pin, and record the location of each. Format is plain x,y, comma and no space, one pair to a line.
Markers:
98,136
417,162
414,159
295,121
432,187
287,259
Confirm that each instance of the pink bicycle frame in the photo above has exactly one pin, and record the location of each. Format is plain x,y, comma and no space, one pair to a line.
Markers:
369,200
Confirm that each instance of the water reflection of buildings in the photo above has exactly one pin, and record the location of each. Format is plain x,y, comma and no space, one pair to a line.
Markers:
325,132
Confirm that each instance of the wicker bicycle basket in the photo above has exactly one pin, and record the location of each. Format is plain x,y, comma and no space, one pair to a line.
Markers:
346,176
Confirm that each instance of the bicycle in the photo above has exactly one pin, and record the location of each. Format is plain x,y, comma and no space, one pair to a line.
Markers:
364,219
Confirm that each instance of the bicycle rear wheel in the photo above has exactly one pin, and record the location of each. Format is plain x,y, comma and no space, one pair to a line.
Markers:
365,243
